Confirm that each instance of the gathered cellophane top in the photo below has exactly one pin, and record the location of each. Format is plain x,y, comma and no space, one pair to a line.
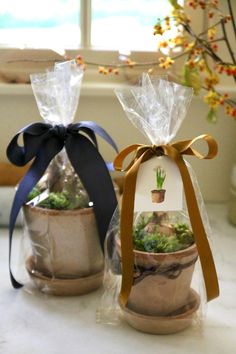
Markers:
57,93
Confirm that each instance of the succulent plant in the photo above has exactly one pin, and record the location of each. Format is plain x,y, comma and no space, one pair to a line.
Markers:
161,238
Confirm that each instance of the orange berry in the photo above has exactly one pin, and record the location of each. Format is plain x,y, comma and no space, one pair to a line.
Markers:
227,18
214,47
202,4
222,101
101,69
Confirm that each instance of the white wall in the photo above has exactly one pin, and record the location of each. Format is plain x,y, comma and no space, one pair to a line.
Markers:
18,108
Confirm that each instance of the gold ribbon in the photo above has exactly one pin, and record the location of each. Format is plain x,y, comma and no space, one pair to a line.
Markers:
174,152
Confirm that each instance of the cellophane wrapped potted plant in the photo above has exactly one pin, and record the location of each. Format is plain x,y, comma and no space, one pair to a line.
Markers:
155,246
63,216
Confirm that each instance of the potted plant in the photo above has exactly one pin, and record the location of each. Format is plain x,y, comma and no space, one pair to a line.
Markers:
158,195
161,299
66,256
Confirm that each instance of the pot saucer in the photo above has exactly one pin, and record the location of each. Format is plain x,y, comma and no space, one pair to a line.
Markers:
63,287
175,322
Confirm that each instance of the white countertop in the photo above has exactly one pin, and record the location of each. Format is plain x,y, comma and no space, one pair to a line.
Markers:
35,324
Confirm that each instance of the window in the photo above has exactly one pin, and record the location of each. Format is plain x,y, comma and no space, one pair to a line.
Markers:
89,24
40,24
126,24
103,32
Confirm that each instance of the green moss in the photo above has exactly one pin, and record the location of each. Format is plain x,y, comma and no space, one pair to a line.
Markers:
59,200
33,194
184,234
158,242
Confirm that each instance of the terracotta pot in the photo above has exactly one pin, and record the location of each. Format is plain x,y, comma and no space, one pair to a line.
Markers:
173,323
162,281
158,196
63,287
65,244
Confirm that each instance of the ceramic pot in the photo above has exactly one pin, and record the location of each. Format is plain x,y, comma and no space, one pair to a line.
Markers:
161,281
65,244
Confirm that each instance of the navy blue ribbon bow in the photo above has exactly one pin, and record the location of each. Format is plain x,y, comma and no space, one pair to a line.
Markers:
42,142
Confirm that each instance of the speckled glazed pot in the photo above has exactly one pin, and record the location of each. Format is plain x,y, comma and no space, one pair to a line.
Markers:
65,244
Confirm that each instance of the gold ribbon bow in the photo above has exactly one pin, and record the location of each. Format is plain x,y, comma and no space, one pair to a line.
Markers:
175,152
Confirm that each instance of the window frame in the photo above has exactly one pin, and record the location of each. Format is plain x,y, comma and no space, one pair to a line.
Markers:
104,56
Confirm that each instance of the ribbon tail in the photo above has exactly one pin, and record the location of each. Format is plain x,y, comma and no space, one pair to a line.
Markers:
126,229
205,254
31,178
92,170
89,132
204,251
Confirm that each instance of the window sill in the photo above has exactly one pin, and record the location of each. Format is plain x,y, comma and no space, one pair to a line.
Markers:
92,88
94,84
88,89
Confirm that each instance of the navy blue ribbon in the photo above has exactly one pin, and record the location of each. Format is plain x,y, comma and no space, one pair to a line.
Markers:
42,142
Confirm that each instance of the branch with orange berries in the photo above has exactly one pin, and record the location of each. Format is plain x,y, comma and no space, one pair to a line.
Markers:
203,65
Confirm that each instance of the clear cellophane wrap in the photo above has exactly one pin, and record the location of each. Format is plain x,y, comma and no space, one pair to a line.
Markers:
168,290
61,244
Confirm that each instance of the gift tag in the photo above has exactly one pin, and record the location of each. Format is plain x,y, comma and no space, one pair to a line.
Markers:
159,186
